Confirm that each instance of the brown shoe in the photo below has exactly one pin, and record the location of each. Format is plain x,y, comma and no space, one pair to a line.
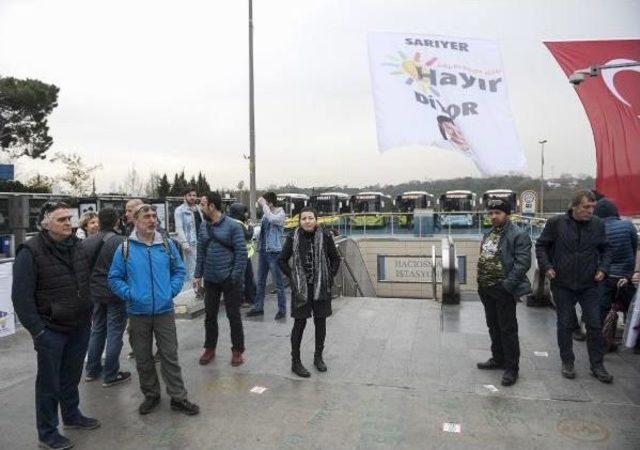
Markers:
207,356
236,357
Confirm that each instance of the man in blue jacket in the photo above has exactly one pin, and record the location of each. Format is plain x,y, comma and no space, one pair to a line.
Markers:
147,273
222,258
270,247
623,239
505,258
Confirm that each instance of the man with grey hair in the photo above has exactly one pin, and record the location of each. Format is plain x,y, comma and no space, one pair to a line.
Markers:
574,254
147,273
50,294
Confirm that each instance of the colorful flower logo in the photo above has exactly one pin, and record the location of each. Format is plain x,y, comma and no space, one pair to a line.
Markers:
416,72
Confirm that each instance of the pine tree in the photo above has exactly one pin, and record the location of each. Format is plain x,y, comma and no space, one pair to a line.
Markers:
201,185
164,187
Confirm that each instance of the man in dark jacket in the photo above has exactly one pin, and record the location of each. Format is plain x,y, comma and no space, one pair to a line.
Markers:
505,258
574,254
623,239
109,311
50,295
222,257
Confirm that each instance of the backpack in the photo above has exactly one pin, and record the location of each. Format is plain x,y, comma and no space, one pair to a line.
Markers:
165,244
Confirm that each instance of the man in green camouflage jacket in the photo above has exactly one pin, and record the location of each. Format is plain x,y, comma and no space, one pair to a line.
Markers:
505,258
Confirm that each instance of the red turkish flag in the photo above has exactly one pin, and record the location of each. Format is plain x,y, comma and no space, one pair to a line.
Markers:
612,103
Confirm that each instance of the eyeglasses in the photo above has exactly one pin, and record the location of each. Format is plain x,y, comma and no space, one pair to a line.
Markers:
143,208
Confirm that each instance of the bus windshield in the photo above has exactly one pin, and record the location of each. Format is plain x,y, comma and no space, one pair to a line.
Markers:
456,204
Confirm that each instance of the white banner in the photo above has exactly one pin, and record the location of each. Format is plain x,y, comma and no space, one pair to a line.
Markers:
7,318
444,92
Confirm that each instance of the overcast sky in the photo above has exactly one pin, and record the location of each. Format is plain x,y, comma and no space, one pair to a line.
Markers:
163,85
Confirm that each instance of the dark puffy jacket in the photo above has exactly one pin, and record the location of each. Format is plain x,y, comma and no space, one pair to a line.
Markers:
222,251
100,249
515,254
575,251
62,284
622,237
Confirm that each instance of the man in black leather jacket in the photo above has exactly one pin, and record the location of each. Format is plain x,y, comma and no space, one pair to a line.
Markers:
574,254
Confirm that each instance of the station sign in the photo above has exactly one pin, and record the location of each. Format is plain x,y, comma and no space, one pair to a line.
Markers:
415,269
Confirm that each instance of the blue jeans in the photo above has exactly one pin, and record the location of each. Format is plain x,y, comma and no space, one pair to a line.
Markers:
60,359
269,262
109,322
589,300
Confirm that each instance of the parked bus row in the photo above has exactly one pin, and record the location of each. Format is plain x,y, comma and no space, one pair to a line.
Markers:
365,209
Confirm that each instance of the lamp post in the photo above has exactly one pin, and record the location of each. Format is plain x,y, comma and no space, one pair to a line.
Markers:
542,142
252,131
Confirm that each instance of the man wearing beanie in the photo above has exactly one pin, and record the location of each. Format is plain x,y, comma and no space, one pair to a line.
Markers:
505,258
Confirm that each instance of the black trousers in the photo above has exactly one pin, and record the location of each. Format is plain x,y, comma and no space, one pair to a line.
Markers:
589,299
500,312
232,300
298,329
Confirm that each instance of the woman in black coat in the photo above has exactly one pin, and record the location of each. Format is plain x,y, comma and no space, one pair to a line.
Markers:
314,263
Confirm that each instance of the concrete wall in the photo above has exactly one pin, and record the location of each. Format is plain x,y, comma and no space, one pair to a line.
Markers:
371,247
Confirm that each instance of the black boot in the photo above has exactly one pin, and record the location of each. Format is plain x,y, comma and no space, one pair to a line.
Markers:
317,359
298,368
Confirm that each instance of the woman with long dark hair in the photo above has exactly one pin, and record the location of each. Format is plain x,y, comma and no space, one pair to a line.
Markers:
315,261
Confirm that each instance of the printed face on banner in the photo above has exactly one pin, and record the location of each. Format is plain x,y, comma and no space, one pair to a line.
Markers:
444,92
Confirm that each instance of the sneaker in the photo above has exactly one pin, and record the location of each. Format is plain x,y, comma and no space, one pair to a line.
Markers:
490,364
255,313
601,374
185,406
280,315
568,370
131,355
56,442
510,377
149,404
121,377
83,423
207,356
89,378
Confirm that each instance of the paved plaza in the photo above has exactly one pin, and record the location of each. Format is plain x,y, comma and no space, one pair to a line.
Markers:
399,370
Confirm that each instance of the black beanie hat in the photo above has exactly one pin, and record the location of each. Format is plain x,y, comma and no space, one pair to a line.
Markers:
499,204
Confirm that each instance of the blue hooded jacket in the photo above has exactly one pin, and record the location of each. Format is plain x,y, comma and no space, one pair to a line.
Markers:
150,277
622,237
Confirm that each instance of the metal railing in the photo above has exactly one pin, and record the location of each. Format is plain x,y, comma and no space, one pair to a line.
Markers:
423,223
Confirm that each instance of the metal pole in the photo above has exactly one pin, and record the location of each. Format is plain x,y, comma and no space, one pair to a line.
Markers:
252,132
542,142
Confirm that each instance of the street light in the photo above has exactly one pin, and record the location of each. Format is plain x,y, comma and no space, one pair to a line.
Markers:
252,131
580,75
542,142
